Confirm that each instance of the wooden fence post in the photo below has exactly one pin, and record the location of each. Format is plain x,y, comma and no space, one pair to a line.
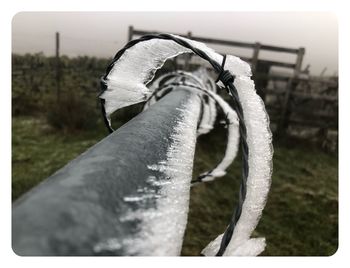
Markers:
255,57
58,71
188,55
299,61
131,33
291,85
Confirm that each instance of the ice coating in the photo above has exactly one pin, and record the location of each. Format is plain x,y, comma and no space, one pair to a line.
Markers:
153,99
251,247
108,245
156,83
259,140
166,224
157,89
232,140
209,109
205,126
126,85
213,112
127,80
233,63
203,75
209,116
232,121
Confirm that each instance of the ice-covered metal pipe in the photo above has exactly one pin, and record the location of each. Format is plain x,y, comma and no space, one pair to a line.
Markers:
200,79
203,84
127,195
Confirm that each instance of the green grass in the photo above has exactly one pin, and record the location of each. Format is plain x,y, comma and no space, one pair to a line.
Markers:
38,151
300,218
301,215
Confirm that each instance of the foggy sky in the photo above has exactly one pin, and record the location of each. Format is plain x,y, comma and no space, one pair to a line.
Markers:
102,34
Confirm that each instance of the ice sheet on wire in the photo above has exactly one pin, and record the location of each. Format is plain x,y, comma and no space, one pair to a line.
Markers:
127,80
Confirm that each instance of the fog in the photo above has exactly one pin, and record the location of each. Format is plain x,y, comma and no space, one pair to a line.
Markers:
102,34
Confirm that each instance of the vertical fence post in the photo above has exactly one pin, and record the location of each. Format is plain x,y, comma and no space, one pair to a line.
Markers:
131,33
284,119
299,61
188,55
291,85
255,57
259,79
58,78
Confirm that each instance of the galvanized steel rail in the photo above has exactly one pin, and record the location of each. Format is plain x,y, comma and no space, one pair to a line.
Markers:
77,211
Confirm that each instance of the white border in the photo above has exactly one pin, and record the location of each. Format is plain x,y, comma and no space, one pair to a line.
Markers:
9,259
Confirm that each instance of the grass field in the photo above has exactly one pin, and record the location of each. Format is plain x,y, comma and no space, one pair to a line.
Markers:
301,216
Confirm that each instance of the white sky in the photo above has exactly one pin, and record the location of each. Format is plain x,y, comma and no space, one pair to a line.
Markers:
104,33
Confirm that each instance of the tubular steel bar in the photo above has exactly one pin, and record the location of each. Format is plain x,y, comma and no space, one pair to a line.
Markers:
79,206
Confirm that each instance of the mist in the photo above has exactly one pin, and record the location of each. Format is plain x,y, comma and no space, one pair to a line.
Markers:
102,34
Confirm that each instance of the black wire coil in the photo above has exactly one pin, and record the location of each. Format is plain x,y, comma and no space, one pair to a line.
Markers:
227,79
